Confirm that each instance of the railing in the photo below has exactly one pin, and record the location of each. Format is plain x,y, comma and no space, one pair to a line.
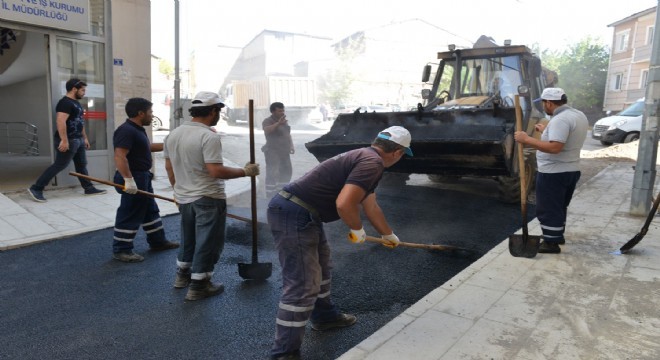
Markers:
19,138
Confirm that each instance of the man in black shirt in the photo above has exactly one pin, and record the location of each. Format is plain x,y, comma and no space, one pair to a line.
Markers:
71,141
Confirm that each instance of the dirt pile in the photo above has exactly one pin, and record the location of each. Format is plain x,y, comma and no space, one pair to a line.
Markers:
624,151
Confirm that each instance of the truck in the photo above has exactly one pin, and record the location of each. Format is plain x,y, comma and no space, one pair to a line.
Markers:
298,94
465,126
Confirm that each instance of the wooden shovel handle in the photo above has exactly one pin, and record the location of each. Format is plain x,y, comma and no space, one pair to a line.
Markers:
413,245
145,193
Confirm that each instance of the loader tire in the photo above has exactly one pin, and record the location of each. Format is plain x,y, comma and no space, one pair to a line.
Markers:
509,186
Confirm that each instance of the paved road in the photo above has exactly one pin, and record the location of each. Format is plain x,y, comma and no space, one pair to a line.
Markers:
67,299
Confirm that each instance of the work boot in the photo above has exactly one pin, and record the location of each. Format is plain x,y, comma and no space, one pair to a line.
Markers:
288,356
549,248
127,257
342,321
182,278
166,245
201,289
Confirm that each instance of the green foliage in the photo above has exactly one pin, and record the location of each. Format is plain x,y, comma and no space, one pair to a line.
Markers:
164,67
335,85
582,70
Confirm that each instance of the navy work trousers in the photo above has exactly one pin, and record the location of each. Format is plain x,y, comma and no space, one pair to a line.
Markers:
554,192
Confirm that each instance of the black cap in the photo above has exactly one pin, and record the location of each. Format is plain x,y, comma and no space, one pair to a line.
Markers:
74,83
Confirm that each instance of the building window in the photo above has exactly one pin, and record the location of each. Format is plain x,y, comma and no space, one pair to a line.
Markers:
616,81
622,41
649,35
643,79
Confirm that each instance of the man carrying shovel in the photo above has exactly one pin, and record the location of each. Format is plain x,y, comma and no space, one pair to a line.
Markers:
335,189
193,160
558,164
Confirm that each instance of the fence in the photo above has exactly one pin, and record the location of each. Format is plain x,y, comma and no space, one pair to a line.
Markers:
19,138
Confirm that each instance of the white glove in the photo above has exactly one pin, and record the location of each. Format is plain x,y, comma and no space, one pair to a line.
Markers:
251,169
130,187
357,236
393,239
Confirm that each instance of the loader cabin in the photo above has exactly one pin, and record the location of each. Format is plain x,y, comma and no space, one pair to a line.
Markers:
488,76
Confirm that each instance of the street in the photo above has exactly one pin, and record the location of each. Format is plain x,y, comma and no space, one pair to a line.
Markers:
67,299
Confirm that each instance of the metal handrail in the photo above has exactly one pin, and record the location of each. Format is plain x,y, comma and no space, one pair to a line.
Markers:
19,137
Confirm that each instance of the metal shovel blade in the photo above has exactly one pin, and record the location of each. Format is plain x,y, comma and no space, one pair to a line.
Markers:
521,246
255,271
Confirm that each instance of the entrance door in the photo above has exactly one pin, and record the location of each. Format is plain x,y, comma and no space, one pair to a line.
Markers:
25,120
84,60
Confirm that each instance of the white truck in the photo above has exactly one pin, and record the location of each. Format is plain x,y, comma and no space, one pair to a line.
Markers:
298,94
623,127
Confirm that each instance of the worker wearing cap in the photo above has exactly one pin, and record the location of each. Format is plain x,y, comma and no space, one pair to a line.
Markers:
335,189
558,160
194,165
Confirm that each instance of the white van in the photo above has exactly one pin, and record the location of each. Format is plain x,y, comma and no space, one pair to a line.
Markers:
623,127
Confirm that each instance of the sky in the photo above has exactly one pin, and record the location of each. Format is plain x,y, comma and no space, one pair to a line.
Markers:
551,24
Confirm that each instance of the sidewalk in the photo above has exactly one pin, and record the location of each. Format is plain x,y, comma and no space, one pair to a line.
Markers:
68,212
585,303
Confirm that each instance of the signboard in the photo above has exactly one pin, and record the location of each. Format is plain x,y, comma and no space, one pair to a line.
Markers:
71,15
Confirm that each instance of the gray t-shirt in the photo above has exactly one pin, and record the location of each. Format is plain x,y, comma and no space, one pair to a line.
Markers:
190,147
567,126
320,186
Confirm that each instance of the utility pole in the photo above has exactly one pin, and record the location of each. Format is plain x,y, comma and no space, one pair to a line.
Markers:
176,117
645,170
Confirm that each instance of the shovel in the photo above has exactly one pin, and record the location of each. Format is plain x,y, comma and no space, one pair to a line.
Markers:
524,245
637,238
255,270
142,192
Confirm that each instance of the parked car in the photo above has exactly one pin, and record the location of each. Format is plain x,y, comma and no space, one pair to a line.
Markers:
623,127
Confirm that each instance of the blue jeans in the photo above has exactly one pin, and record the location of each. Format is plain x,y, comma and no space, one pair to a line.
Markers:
203,235
76,153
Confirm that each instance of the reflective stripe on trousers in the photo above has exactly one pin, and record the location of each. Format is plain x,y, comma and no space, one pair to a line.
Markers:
304,255
554,192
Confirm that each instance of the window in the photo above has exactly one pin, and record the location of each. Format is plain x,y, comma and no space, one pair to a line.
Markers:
649,35
616,81
622,41
643,79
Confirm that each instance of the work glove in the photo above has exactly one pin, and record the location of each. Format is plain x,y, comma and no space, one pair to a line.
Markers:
357,236
129,186
393,239
251,169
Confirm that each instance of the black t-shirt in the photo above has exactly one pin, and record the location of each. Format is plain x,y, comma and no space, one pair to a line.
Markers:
134,138
321,186
75,122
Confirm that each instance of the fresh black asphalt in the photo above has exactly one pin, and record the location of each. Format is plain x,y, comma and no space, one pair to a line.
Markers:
67,299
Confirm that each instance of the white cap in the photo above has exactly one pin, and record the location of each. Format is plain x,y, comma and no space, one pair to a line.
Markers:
206,98
399,135
552,94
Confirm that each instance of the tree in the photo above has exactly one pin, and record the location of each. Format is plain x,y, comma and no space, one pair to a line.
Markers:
164,67
582,70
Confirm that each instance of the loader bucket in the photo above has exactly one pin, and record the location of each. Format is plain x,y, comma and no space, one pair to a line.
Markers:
476,142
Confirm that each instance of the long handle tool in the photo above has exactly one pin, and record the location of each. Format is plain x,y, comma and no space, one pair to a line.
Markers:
417,245
255,270
637,238
144,193
524,245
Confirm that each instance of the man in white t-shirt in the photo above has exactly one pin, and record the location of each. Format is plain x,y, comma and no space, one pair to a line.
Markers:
193,160
558,160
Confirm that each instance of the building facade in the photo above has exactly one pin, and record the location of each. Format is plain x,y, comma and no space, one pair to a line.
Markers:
630,59
42,45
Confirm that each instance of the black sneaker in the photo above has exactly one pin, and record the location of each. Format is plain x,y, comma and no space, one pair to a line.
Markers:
549,248
94,191
343,320
37,195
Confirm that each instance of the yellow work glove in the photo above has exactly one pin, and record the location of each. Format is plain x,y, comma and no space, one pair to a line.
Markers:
130,187
393,239
357,236
251,169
